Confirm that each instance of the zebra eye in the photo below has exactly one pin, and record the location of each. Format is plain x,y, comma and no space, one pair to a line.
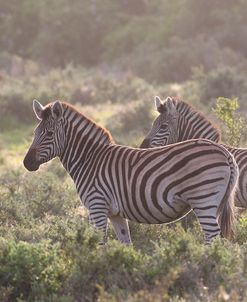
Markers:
49,133
164,126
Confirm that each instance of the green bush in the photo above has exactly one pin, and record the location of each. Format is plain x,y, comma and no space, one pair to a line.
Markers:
219,263
30,271
34,214
241,230
235,124
117,268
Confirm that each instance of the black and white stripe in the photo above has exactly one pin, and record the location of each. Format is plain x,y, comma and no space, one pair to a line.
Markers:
148,186
178,122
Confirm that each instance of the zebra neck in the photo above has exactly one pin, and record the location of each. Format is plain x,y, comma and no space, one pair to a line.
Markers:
84,141
193,124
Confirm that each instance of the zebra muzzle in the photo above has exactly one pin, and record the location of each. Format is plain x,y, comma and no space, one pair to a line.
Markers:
30,161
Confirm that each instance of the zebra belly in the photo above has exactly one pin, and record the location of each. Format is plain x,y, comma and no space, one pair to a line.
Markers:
146,211
163,200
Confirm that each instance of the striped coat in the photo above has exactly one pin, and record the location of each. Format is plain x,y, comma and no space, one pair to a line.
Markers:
147,186
178,122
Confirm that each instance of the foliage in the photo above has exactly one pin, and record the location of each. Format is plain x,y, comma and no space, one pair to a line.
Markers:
221,82
225,110
161,41
76,85
29,270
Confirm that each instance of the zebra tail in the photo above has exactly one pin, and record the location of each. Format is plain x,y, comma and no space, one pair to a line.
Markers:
226,213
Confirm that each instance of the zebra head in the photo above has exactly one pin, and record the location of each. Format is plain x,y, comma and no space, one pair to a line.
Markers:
163,131
49,136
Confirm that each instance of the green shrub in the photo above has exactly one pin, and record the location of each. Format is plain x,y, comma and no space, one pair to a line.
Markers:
21,206
235,125
220,264
117,268
241,229
30,271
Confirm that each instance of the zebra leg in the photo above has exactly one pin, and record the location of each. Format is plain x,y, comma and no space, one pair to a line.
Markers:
98,218
121,228
207,219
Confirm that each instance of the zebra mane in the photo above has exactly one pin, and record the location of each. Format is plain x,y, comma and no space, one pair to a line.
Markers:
186,110
70,108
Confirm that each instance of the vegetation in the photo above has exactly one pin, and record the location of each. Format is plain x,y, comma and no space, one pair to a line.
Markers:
158,40
48,251
110,58
235,124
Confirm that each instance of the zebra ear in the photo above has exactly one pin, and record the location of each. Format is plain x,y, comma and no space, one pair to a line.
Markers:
158,103
171,108
168,99
57,110
38,109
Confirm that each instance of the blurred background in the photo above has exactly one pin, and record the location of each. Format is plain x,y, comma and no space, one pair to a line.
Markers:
110,58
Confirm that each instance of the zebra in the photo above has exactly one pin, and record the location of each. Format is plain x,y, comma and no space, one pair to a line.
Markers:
178,121
122,183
